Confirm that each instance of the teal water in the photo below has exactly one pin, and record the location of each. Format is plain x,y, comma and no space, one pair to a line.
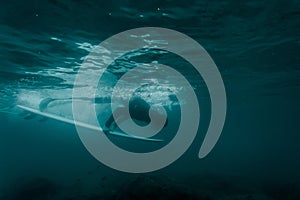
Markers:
255,45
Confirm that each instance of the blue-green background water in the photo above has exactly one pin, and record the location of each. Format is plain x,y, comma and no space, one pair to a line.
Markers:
255,45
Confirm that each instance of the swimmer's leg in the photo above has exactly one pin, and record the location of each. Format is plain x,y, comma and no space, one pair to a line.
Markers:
120,117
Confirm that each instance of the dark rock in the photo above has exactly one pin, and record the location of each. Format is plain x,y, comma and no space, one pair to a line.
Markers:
36,189
147,188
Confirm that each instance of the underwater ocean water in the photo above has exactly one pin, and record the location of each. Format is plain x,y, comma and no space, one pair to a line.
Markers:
256,46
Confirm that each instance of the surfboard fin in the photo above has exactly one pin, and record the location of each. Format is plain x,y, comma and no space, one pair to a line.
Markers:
30,116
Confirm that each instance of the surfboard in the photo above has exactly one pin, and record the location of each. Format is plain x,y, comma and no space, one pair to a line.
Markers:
85,125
